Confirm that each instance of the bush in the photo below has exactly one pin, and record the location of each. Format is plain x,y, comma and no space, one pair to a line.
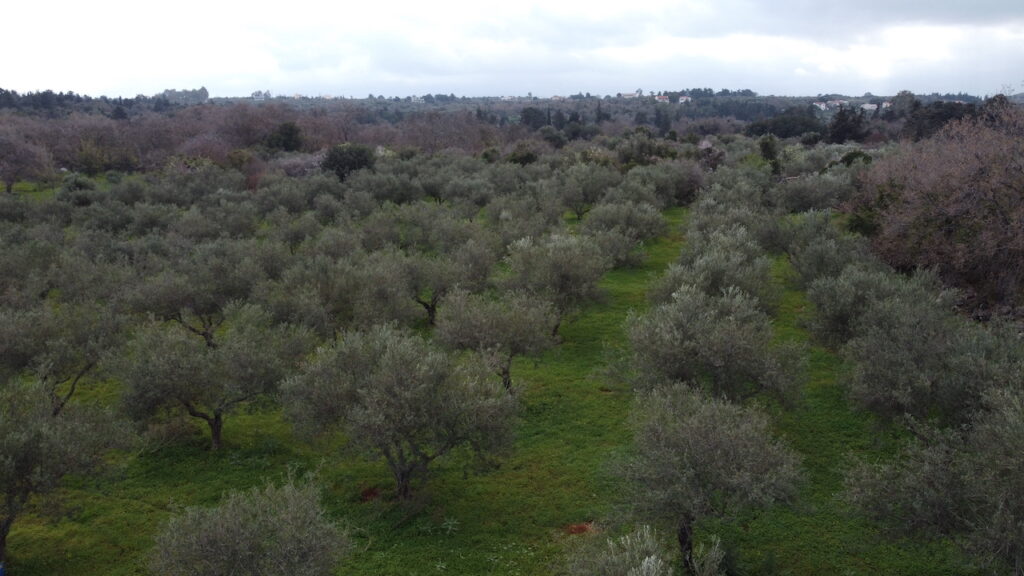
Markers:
345,159
639,553
262,532
811,192
953,202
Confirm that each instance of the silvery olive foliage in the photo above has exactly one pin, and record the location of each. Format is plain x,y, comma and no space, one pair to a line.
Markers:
963,482
265,531
516,324
39,447
400,399
696,456
638,553
722,342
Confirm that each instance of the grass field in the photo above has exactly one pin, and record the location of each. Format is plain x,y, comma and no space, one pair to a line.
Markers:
509,520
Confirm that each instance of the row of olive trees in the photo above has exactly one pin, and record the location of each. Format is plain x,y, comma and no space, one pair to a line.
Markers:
705,346
953,383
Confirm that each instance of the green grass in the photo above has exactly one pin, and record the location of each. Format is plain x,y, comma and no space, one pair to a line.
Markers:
818,534
34,191
509,520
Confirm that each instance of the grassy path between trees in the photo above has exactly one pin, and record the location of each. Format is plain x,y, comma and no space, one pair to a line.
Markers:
817,535
511,520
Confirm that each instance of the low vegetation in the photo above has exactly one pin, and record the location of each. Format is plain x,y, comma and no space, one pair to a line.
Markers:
566,345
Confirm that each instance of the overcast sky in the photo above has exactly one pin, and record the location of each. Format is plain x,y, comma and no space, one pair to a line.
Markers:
513,47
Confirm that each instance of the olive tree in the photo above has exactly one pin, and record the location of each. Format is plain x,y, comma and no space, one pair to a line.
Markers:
527,213
723,342
840,301
917,357
401,400
561,268
60,344
434,277
515,325
167,368
696,456
636,220
38,448
345,159
261,532
962,482
582,185
719,260
193,289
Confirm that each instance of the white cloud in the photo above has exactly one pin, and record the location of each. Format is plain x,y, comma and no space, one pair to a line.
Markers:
400,47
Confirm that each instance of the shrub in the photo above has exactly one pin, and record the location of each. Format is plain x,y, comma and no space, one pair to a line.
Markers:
345,159
953,202
639,553
262,532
